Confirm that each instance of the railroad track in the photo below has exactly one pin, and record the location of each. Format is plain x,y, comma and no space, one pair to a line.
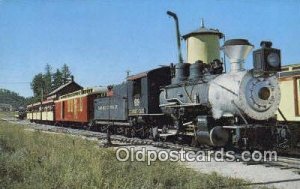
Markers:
282,162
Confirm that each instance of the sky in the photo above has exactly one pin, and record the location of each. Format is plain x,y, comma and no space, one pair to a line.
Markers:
101,40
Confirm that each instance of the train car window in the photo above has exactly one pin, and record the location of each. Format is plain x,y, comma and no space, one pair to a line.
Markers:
63,109
72,105
298,97
153,84
80,104
75,105
69,105
137,87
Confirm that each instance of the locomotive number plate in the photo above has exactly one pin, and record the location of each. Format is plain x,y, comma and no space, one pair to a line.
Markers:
137,111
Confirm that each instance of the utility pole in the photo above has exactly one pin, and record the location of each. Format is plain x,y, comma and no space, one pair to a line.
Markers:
127,73
42,98
42,94
108,137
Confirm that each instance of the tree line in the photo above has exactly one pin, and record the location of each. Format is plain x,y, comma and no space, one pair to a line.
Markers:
11,98
43,83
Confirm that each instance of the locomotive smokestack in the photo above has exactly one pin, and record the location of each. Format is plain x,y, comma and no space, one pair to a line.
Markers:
237,50
172,14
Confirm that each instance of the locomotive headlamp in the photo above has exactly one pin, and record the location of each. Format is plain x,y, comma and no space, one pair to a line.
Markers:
266,59
273,59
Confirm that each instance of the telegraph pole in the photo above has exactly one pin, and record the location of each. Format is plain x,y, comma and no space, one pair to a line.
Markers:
108,138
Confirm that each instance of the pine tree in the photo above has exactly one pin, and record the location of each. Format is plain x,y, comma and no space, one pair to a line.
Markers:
43,84
66,73
47,79
37,85
57,79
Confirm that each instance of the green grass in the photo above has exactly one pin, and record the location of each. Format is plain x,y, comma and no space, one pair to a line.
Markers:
41,160
7,114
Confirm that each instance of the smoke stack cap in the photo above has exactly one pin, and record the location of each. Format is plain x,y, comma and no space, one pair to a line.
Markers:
237,42
266,44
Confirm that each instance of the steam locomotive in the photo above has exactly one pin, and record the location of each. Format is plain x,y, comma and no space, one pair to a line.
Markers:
196,102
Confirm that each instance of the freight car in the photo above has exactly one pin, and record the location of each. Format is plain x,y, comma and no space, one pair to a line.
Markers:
76,108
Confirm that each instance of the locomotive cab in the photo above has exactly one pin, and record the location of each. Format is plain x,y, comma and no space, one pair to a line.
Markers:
144,89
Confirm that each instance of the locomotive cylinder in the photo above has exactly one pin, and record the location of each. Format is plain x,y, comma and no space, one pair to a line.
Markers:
217,136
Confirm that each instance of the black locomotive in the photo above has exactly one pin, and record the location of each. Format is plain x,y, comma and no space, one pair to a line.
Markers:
198,102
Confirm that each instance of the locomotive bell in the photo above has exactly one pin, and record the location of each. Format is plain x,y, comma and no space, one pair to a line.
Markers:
237,50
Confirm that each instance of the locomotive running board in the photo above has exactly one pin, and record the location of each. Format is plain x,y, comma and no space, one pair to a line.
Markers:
146,114
111,123
178,106
243,126
235,127
173,133
166,135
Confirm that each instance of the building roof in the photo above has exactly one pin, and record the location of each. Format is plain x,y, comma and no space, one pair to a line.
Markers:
62,87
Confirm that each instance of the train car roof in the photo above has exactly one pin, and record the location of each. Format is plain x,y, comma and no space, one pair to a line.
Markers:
34,104
291,70
145,74
48,101
39,103
82,93
289,74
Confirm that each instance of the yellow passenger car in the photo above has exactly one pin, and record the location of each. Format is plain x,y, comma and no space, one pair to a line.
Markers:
289,81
